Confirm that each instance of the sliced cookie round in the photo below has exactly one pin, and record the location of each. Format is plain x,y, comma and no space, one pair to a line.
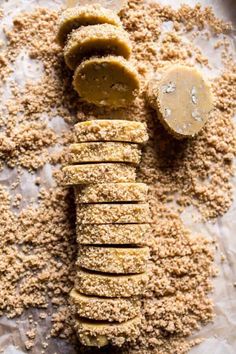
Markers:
107,285
117,260
98,40
78,16
182,99
105,309
107,81
104,152
111,130
113,234
113,214
111,192
99,334
94,173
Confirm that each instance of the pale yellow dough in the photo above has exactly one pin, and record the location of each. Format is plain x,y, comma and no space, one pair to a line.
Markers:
107,81
111,192
111,130
105,309
182,99
104,152
103,39
99,334
116,260
78,16
106,285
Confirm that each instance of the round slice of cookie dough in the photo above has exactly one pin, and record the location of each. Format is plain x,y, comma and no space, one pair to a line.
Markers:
111,192
97,40
90,283
105,309
78,16
99,334
107,81
104,152
95,173
113,234
111,130
113,214
182,99
116,260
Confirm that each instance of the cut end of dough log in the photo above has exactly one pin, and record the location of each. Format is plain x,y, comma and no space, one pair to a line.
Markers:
97,40
78,16
182,99
107,81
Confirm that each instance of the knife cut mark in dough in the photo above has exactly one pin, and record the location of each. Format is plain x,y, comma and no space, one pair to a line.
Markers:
114,260
113,214
108,81
182,100
94,173
107,285
78,16
111,192
113,234
99,334
111,130
97,40
104,152
105,309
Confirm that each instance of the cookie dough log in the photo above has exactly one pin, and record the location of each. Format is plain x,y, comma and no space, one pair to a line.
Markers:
99,334
113,234
104,152
94,173
104,309
108,285
113,214
95,40
111,192
182,99
78,16
107,81
115,260
111,130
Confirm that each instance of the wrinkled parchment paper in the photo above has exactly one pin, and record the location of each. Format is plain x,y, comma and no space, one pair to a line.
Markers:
221,335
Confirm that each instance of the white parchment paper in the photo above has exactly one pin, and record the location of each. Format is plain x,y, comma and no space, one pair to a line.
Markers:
221,335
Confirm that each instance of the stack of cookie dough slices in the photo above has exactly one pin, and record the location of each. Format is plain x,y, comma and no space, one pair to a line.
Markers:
113,221
97,48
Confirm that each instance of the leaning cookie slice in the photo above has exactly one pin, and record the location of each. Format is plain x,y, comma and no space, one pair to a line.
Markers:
111,192
182,99
113,234
107,81
99,334
111,130
94,173
104,152
91,283
116,260
96,40
78,16
105,309
113,214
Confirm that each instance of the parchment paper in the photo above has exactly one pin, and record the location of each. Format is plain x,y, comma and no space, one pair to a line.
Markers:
221,335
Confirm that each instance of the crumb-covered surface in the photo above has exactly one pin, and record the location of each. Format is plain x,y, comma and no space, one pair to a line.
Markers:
38,249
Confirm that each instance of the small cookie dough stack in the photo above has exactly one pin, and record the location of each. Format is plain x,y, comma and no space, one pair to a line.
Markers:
113,221
97,48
